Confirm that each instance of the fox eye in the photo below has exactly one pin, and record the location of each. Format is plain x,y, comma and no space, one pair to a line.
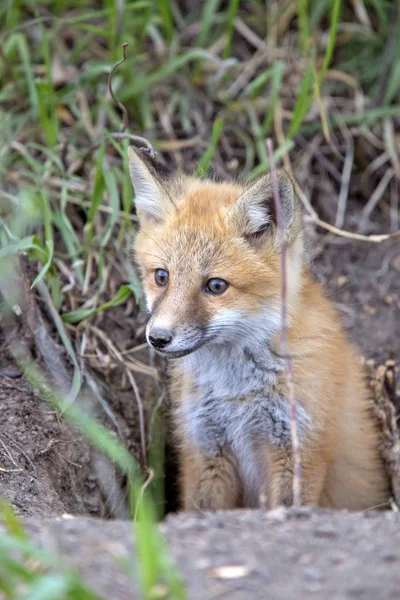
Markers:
216,286
161,277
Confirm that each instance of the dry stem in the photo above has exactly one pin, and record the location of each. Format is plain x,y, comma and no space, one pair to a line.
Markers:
284,333
124,123
134,138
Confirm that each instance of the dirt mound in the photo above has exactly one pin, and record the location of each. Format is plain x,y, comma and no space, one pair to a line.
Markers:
243,554
47,468
46,465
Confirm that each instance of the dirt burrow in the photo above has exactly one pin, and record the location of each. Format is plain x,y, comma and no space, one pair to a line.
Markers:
48,468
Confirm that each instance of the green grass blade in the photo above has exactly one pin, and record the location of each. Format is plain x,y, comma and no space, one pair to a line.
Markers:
20,42
331,39
49,587
47,264
78,315
304,34
113,195
393,86
49,241
303,102
257,86
258,135
210,7
46,93
61,583
12,523
206,159
99,184
278,70
264,167
231,16
31,242
164,8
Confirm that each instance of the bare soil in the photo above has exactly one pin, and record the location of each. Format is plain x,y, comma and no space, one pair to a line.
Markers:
47,469
363,280
243,554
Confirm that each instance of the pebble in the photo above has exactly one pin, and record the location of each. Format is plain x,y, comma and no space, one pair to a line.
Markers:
312,574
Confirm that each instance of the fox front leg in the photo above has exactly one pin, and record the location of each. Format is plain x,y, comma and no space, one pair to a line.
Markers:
281,469
210,483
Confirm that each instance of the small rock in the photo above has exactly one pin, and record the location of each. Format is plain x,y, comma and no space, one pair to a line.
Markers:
341,280
325,531
230,572
303,512
92,505
305,559
357,592
312,574
368,308
389,556
278,514
396,263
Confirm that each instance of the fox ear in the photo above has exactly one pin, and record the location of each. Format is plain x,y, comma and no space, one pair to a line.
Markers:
150,183
254,211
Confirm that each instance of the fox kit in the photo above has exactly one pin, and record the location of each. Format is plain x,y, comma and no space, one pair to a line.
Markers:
209,259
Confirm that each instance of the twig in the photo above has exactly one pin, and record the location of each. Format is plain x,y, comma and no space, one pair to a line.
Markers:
136,139
3,470
22,452
376,196
314,215
377,239
284,333
8,454
124,124
344,187
394,205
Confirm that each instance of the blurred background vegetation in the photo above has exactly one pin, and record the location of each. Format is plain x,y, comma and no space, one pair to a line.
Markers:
205,83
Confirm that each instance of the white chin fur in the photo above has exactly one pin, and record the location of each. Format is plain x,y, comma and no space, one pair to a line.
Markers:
236,323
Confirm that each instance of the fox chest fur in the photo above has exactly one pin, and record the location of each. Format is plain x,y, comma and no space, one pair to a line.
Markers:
232,399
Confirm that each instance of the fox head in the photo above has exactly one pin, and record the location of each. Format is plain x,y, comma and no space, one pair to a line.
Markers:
209,256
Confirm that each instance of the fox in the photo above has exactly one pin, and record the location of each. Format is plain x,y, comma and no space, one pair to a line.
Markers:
208,254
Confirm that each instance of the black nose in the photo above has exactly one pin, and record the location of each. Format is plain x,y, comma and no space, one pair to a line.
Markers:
159,338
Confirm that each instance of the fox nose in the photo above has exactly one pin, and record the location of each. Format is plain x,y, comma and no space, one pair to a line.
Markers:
159,338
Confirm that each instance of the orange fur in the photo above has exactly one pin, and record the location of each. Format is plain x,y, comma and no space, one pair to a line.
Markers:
197,230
